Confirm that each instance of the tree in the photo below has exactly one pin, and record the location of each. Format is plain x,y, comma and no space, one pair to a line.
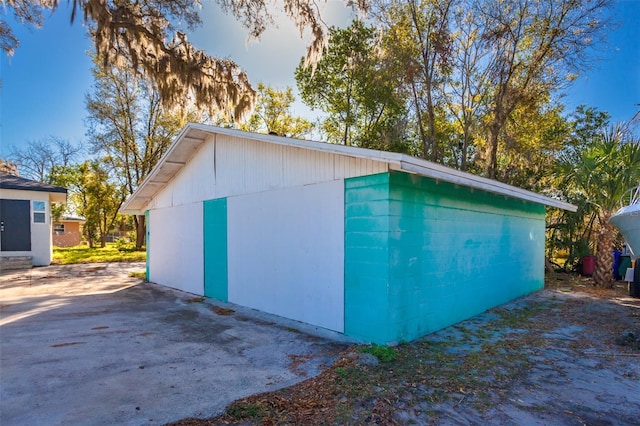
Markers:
417,35
272,114
144,36
8,167
356,86
534,46
465,94
130,128
94,195
605,169
37,159
572,234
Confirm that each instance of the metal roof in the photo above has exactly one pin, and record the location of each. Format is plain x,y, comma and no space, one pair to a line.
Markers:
194,135
8,181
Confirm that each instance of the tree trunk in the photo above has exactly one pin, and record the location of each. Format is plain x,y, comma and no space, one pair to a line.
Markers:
602,275
141,230
492,163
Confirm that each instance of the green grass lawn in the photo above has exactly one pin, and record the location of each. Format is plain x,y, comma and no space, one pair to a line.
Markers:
84,254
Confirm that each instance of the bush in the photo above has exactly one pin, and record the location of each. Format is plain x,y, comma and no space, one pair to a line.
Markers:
125,246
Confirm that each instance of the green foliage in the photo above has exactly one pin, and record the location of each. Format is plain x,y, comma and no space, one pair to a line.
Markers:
126,246
273,114
130,128
86,254
593,171
138,274
355,85
383,353
94,195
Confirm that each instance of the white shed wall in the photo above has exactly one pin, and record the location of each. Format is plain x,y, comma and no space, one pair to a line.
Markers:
176,247
286,253
41,233
227,166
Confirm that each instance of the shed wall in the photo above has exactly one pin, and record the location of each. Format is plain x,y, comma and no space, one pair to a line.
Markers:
451,254
175,245
227,166
286,253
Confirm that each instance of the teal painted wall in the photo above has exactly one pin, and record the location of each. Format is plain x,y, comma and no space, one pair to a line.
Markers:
215,249
366,258
451,252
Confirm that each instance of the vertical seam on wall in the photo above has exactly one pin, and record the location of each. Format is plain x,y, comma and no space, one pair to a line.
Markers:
344,250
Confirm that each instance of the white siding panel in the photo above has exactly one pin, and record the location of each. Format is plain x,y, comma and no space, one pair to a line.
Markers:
286,253
228,166
176,247
163,198
347,167
304,167
196,181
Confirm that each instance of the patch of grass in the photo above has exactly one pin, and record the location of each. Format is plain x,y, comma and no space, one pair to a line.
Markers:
244,411
84,254
195,300
138,274
383,353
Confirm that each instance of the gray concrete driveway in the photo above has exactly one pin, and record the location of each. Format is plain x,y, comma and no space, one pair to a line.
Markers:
87,344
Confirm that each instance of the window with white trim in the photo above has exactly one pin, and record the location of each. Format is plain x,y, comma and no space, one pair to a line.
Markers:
39,209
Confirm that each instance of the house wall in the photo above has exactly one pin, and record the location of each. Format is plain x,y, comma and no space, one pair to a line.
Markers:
41,238
448,253
71,236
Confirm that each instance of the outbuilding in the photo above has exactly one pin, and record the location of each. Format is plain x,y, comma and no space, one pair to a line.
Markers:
380,246
25,221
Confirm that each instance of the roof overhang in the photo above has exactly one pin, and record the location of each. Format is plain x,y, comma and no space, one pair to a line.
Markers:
58,197
194,135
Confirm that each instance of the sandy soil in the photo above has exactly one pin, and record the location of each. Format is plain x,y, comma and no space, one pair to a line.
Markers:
568,355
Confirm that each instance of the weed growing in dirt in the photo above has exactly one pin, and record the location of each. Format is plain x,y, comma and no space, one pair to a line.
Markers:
383,353
245,411
140,274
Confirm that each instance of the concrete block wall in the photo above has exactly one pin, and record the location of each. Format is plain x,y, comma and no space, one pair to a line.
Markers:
435,254
366,267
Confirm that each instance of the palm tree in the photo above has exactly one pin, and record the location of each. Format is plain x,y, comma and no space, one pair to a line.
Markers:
601,173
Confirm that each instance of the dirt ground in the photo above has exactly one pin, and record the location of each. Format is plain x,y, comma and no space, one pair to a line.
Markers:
568,355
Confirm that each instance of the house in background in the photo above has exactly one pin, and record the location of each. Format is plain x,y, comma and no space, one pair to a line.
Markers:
25,221
67,231
380,246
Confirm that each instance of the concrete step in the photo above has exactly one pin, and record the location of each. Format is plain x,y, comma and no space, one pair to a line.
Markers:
8,263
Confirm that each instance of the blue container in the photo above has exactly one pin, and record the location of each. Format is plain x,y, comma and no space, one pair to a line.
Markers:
616,264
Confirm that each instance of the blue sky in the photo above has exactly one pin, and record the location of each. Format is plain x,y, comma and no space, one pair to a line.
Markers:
45,82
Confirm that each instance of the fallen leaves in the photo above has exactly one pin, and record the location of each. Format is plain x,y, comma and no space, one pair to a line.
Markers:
472,366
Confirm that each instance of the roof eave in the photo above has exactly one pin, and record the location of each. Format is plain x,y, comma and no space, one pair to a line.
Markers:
436,171
197,134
